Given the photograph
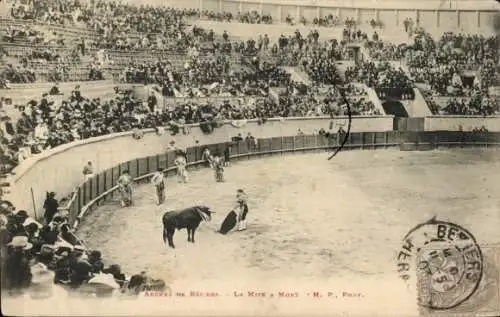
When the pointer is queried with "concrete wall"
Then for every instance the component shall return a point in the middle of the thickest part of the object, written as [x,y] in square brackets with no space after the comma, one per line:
[464,123]
[60,169]
[447,15]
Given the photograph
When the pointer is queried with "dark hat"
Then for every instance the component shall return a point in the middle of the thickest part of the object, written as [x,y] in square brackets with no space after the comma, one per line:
[58,219]
[95,254]
[22,213]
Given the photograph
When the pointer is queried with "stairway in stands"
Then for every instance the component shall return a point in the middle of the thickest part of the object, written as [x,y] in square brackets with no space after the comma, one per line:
[417,107]
[298,75]
[342,66]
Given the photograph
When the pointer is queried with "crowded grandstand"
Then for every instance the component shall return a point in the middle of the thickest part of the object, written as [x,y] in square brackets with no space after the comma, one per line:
[193,75]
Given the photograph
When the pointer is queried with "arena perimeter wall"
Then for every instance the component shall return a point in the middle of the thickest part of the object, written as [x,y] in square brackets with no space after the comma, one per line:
[60,169]
[447,15]
[461,123]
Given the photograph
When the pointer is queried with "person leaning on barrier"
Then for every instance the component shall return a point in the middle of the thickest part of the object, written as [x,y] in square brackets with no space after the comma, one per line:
[137,133]
[88,171]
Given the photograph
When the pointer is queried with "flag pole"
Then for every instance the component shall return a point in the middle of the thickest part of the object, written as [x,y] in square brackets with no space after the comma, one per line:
[33,201]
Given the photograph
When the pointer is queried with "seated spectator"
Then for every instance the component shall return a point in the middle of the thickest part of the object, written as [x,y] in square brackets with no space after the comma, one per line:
[115,270]
[80,268]
[95,261]
[68,235]
[62,268]
[49,234]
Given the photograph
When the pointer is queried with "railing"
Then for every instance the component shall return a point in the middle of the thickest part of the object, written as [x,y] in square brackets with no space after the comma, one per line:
[103,185]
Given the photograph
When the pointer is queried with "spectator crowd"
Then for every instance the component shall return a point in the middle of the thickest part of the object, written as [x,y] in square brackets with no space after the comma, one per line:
[39,260]
[456,65]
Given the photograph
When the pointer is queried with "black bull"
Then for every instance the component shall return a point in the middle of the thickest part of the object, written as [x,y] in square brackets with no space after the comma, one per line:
[188,218]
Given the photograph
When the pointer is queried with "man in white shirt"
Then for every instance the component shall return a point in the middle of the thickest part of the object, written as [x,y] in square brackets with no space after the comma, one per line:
[182,174]
[125,182]
[158,181]
[41,132]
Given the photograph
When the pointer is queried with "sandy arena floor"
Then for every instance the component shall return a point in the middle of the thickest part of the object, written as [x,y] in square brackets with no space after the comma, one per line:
[309,217]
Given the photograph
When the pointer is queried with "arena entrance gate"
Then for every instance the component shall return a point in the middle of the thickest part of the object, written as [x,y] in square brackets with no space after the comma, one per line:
[409,124]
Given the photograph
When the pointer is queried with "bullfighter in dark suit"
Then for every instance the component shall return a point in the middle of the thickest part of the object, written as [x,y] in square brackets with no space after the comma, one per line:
[242,207]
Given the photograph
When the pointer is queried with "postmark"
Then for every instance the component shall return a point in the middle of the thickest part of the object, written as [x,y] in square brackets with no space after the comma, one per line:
[447,261]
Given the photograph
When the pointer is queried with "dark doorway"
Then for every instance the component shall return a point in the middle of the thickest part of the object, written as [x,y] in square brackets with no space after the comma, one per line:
[395,108]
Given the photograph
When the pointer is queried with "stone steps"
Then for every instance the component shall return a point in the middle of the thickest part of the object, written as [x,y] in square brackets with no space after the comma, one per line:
[298,75]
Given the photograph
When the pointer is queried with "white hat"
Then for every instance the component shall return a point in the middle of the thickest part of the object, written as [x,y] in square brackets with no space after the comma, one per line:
[20,242]
[106,280]
[41,275]
[30,220]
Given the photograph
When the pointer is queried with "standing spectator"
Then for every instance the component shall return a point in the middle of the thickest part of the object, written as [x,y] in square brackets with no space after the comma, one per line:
[227,156]
[81,46]
[50,205]
[5,237]
[18,274]
[266,42]
[9,127]
[88,171]
[152,102]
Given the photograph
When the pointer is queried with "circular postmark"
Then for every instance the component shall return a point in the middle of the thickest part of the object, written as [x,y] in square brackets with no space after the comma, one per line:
[343,135]
[447,261]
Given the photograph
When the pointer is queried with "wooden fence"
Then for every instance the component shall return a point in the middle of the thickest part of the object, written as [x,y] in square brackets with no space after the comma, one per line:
[103,185]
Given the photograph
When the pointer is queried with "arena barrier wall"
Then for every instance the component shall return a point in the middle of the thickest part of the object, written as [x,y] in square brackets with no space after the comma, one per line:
[60,169]
[103,185]
[462,123]
[448,15]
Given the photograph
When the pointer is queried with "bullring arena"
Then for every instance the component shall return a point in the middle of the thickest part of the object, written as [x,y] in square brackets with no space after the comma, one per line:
[310,217]
[364,135]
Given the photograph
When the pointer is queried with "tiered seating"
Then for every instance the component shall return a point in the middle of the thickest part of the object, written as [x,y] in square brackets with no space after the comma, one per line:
[35,90]
[22,50]
[20,94]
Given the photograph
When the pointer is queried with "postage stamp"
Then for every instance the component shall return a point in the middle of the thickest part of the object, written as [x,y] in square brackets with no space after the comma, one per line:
[453,282]
[455,276]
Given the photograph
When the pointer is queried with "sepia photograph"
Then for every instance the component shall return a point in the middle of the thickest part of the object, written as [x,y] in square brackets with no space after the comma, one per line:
[250,158]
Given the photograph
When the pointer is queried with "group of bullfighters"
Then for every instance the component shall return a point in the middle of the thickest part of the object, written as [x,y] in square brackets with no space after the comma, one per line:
[158,180]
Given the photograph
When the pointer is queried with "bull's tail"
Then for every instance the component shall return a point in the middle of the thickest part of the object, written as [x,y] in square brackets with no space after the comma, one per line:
[164,235]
